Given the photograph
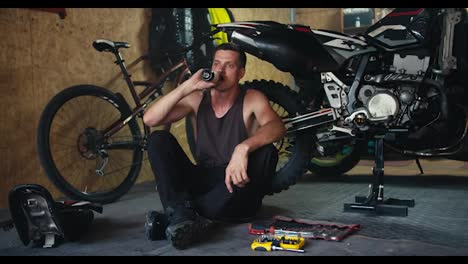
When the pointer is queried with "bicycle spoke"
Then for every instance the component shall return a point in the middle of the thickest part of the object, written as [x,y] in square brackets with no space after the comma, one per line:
[64,155]
[80,179]
[120,168]
[64,127]
[109,117]
[106,180]
[68,145]
[70,113]
[89,108]
[65,150]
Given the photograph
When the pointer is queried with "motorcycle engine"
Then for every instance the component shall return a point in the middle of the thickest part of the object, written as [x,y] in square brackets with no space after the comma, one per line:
[379,102]
[390,93]
[397,104]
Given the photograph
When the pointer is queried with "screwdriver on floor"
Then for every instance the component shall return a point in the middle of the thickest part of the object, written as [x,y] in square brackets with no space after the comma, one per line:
[286,249]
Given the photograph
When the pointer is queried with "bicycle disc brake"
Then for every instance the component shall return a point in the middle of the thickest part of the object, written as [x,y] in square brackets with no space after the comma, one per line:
[89,143]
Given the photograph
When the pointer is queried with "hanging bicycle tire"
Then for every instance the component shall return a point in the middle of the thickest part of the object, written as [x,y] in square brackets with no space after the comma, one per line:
[73,153]
[294,149]
[175,28]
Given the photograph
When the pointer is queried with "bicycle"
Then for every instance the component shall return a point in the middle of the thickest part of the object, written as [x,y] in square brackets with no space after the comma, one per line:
[98,157]
[107,133]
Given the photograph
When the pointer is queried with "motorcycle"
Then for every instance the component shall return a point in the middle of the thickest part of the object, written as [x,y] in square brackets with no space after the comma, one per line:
[401,83]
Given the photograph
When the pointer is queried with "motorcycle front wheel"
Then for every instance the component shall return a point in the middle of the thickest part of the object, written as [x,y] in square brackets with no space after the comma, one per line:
[294,149]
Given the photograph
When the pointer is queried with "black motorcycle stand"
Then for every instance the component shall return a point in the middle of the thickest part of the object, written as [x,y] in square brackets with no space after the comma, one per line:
[374,202]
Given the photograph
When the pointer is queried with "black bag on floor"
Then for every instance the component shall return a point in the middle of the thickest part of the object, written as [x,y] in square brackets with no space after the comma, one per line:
[45,222]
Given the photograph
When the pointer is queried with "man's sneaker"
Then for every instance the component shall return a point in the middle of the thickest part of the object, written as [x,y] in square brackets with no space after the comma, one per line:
[155,225]
[185,226]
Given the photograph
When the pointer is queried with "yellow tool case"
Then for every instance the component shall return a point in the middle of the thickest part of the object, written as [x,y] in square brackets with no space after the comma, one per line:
[272,243]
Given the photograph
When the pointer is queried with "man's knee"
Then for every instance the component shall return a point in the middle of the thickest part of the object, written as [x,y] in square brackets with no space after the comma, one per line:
[267,155]
[262,168]
[266,151]
[159,139]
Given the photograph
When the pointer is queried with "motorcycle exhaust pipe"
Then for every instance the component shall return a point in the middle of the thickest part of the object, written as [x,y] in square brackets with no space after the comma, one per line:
[443,98]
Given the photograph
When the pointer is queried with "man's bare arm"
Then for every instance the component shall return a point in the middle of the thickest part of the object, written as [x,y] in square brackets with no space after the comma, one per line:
[271,126]
[177,104]
[271,129]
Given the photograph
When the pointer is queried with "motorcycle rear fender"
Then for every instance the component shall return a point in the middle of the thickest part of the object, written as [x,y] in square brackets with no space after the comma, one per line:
[291,51]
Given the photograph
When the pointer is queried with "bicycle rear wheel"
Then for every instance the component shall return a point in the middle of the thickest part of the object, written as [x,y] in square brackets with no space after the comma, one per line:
[75,156]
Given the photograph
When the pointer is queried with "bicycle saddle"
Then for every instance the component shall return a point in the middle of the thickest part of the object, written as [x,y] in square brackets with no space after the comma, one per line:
[108,45]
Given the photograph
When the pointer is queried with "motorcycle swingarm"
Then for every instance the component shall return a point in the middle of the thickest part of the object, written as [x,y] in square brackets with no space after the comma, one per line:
[309,120]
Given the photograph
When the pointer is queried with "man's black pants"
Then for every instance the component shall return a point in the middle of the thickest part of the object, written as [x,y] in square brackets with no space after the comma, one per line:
[179,180]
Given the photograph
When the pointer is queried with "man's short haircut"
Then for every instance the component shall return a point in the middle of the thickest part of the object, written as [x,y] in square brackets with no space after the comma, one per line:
[234,47]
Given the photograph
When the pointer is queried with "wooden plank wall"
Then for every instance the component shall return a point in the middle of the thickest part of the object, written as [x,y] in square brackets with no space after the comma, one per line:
[321,18]
[41,55]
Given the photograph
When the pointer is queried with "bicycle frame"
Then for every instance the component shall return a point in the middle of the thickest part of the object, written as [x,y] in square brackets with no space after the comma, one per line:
[152,90]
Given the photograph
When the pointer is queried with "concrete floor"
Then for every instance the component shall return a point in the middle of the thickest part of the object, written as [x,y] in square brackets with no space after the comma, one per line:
[436,226]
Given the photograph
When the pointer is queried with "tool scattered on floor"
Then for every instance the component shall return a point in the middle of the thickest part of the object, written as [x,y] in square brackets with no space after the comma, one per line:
[287,226]
[270,242]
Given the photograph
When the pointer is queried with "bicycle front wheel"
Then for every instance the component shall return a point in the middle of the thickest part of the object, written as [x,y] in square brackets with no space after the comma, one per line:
[73,152]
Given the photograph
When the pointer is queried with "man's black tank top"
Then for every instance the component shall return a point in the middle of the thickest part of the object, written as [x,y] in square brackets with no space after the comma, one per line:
[217,137]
